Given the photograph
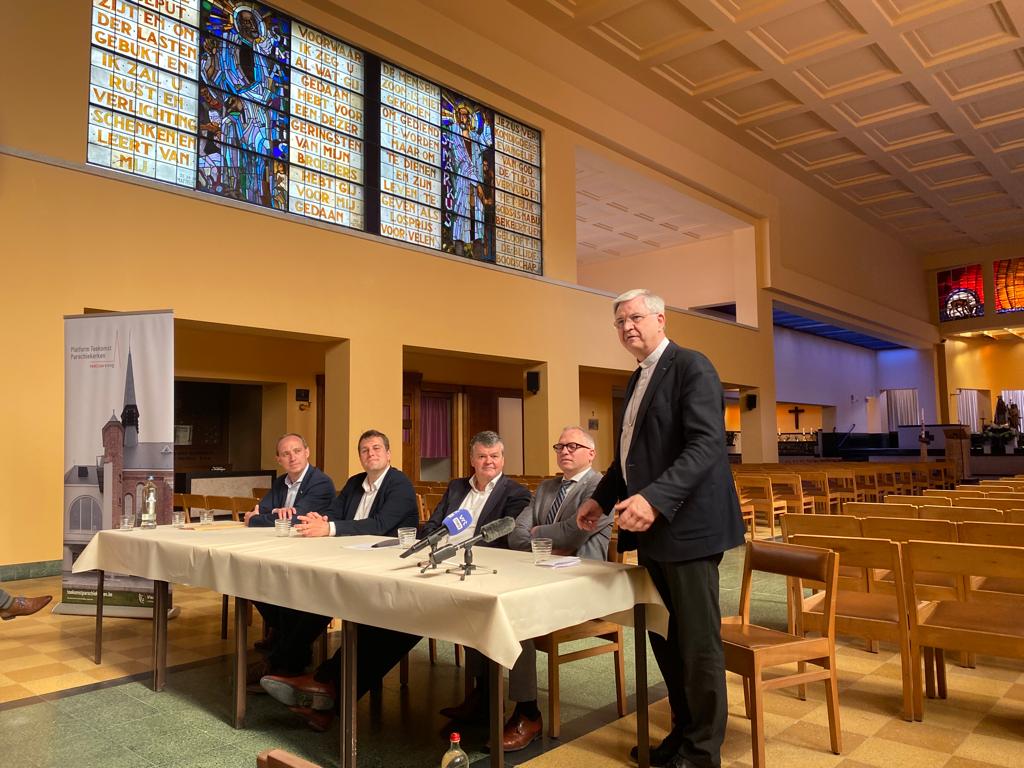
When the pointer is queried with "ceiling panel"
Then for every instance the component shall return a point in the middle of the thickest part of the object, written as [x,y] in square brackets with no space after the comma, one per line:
[908,112]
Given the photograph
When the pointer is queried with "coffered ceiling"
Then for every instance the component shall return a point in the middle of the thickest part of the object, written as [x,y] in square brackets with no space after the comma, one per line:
[908,112]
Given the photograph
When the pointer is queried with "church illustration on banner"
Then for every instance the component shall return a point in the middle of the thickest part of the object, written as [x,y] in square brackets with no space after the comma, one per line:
[97,496]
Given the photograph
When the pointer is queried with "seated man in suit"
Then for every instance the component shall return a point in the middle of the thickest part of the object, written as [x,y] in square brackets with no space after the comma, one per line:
[376,502]
[552,515]
[487,495]
[302,488]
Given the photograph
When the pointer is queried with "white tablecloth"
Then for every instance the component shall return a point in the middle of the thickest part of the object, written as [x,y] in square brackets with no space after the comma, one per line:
[490,612]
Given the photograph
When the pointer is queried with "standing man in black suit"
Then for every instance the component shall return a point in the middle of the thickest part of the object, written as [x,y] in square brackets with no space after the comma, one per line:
[302,488]
[487,495]
[672,488]
[378,502]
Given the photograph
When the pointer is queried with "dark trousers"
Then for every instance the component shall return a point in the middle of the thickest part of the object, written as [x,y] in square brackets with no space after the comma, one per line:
[691,657]
[294,633]
[377,652]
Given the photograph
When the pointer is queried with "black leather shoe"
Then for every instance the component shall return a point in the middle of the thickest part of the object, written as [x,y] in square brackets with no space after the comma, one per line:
[661,755]
[473,709]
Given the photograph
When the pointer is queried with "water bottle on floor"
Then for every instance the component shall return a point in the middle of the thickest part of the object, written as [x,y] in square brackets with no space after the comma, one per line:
[455,757]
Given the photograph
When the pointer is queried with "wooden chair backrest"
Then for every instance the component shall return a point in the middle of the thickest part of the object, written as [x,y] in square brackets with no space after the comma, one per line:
[961,514]
[243,504]
[1014,516]
[819,525]
[1005,495]
[998,534]
[259,493]
[895,498]
[878,509]
[902,529]
[194,501]
[963,559]
[791,560]
[221,503]
[755,487]
[989,503]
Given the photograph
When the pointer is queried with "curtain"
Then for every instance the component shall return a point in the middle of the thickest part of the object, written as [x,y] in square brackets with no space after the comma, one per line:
[967,409]
[902,408]
[1014,396]
[435,427]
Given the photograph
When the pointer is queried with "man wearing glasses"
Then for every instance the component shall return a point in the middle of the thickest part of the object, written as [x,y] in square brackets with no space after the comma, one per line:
[672,489]
[552,515]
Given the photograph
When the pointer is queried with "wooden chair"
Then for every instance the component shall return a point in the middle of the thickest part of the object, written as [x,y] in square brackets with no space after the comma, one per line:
[842,484]
[937,585]
[178,503]
[424,510]
[919,478]
[259,493]
[600,629]
[961,514]
[193,503]
[998,535]
[750,649]
[746,509]
[222,504]
[953,494]
[1014,516]
[819,525]
[241,505]
[816,487]
[758,490]
[873,616]
[867,483]
[789,488]
[988,502]
[940,474]
[974,621]
[865,509]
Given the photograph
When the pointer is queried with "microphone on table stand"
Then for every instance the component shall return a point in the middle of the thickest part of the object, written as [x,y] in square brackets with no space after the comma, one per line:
[493,531]
[452,525]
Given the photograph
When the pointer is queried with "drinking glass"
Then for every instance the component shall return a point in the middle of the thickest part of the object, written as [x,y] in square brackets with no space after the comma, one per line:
[541,550]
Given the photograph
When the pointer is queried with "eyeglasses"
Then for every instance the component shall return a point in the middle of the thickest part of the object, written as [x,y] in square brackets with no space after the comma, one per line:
[620,322]
[570,447]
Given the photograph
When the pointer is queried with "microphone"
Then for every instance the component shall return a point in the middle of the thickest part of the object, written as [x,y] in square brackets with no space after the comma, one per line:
[452,525]
[494,530]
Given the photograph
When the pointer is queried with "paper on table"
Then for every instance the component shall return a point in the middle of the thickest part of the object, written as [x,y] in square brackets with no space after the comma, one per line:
[361,545]
[560,562]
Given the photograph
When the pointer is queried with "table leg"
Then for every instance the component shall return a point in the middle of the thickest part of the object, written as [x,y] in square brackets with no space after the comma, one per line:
[640,656]
[497,713]
[241,659]
[159,635]
[347,690]
[98,646]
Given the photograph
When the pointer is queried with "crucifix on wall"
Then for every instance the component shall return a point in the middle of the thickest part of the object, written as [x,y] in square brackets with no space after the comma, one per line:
[796,410]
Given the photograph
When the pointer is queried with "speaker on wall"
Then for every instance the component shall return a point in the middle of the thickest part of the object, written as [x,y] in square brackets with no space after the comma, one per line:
[533,382]
[751,401]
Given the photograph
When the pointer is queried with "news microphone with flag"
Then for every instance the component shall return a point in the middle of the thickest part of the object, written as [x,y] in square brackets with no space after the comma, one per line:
[493,531]
[452,525]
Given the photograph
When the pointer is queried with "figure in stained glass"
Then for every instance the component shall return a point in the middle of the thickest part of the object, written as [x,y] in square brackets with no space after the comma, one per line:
[248,25]
[961,292]
[467,158]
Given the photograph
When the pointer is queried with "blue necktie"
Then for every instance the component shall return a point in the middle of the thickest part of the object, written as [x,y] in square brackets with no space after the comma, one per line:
[559,498]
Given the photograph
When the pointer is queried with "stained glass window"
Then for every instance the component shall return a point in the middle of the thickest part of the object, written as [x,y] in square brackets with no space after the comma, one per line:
[1009,274]
[236,99]
[961,293]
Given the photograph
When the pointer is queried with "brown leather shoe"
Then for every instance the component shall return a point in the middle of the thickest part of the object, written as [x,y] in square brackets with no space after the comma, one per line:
[474,708]
[520,731]
[304,692]
[25,606]
[315,719]
[256,671]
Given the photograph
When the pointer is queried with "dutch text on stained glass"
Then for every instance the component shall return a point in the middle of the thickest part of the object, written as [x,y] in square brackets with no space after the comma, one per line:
[182,10]
[125,143]
[407,177]
[325,198]
[517,251]
[125,85]
[511,212]
[517,177]
[410,135]
[145,35]
[327,151]
[410,221]
[407,92]
[516,139]
[325,103]
[327,58]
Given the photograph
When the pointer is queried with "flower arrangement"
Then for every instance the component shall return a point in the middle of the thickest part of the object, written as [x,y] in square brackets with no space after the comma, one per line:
[999,432]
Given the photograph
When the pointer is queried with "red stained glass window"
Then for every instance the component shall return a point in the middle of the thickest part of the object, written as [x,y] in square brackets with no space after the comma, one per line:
[1009,275]
[961,292]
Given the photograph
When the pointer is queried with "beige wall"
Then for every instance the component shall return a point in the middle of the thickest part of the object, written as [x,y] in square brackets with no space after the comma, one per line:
[75,237]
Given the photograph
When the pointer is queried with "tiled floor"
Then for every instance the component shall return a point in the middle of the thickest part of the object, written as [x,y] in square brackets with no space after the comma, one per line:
[56,703]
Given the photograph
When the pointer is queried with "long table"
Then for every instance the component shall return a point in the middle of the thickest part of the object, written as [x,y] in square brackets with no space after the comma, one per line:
[343,577]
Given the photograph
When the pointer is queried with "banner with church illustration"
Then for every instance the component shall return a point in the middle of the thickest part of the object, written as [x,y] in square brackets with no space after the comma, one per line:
[118,431]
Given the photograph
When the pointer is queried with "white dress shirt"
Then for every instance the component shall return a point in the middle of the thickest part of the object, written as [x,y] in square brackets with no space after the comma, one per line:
[366,502]
[293,488]
[473,502]
[647,366]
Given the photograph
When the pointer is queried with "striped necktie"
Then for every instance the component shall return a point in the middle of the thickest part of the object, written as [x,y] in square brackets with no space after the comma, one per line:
[559,498]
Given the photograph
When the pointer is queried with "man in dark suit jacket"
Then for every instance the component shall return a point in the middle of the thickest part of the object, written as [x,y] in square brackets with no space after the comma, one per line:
[315,489]
[672,488]
[488,495]
[377,501]
[302,488]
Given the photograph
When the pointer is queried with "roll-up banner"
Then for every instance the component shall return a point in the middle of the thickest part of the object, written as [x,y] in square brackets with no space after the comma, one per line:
[118,431]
